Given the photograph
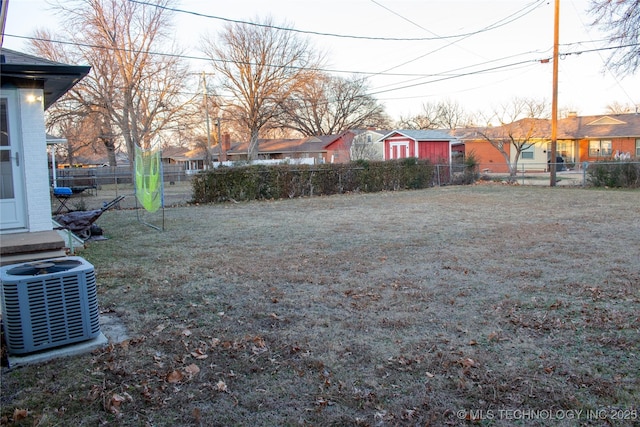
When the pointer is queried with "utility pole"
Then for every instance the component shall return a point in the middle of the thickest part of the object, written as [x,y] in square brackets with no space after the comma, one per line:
[221,154]
[206,115]
[554,98]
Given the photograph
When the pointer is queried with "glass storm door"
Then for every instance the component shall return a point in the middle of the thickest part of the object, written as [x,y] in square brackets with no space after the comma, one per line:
[12,205]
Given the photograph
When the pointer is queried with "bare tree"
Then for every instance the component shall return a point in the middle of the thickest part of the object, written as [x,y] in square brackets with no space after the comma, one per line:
[521,124]
[327,105]
[618,108]
[260,66]
[134,93]
[621,20]
[420,121]
[445,114]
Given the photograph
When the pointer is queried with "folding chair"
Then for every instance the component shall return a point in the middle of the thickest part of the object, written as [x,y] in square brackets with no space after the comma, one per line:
[62,194]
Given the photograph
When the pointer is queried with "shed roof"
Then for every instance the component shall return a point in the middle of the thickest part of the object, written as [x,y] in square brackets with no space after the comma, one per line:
[423,134]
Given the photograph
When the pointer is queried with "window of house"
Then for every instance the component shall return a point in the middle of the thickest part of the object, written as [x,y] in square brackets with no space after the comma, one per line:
[527,153]
[638,147]
[600,148]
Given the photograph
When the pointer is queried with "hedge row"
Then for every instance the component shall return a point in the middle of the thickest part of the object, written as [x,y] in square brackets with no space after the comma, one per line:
[288,181]
[621,174]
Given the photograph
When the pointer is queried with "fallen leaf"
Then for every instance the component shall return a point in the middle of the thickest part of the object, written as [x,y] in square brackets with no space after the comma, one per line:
[199,354]
[197,414]
[429,375]
[468,362]
[114,403]
[175,377]
[116,399]
[221,386]
[192,369]
[19,414]
[186,333]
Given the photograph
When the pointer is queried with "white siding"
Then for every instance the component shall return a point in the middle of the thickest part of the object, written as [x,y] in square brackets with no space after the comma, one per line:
[34,155]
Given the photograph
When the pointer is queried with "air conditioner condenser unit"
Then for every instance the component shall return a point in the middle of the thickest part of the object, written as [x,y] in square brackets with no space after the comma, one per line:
[48,303]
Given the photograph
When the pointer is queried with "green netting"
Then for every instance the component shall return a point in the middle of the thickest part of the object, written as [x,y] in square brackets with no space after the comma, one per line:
[148,169]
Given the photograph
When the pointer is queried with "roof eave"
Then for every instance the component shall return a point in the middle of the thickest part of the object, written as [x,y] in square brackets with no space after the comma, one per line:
[56,80]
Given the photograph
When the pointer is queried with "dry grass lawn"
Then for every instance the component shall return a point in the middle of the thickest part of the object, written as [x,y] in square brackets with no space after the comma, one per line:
[480,305]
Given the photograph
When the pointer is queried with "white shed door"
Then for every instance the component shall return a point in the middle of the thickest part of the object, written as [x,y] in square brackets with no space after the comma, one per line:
[12,200]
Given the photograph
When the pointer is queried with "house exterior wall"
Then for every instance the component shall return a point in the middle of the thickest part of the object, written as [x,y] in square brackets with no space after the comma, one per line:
[368,146]
[488,156]
[399,147]
[339,151]
[437,152]
[37,191]
[621,145]
[535,158]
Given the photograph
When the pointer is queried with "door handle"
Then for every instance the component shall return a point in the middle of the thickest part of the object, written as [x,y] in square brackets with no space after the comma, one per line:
[17,159]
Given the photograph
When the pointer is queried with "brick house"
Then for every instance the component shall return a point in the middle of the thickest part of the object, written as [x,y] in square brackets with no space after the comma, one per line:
[579,139]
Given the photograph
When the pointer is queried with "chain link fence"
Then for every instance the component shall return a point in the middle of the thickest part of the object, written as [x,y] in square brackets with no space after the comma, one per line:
[104,183]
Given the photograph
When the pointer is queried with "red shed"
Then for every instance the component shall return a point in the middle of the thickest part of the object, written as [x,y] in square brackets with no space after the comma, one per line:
[434,145]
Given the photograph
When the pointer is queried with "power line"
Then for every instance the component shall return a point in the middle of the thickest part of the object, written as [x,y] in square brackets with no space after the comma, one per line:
[445,73]
[201,58]
[458,76]
[497,24]
[443,78]
[504,21]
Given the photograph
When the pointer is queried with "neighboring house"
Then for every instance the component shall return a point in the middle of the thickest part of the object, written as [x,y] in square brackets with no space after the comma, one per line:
[434,145]
[367,144]
[30,85]
[323,149]
[191,161]
[579,139]
[593,138]
[488,157]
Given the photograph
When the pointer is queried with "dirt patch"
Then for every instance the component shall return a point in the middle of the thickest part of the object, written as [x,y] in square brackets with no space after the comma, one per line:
[487,304]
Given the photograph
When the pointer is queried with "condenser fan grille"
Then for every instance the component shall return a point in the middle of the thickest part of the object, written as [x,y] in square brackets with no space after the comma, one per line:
[49,310]
[43,267]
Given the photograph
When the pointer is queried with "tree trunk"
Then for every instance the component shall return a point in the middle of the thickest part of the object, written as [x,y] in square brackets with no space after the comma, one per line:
[252,150]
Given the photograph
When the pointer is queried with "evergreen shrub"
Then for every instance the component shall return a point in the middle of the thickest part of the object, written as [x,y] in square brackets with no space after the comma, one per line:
[255,182]
[620,174]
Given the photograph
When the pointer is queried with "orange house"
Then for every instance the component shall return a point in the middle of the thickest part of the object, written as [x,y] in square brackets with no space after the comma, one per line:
[605,137]
[580,139]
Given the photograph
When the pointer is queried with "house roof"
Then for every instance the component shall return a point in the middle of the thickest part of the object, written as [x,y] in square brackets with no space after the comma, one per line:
[183,154]
[601,126]
[310,144]
[579,127]
[23,70]
[423,134]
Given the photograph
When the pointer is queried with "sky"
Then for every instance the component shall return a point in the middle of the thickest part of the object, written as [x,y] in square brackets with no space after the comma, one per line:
[479,54]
